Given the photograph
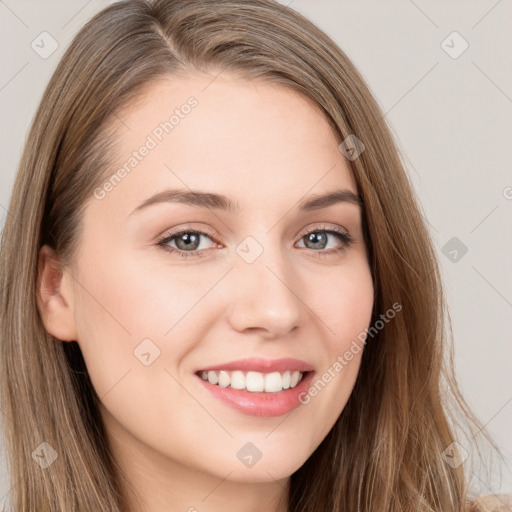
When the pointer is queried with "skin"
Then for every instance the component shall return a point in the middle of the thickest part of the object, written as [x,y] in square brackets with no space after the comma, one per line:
[266,147]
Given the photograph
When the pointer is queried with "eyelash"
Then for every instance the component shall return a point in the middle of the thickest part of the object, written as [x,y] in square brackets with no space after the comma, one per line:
[343,236]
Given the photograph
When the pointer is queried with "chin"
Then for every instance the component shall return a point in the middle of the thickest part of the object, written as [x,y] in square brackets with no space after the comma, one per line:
[273,467]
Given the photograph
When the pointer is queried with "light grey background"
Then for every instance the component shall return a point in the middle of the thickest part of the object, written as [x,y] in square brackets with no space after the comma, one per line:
[451,118]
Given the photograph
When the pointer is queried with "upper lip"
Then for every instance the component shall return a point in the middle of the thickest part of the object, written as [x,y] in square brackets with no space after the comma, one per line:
[263,365]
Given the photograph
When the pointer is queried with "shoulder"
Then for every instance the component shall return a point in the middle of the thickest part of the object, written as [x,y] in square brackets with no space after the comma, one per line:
[491,503]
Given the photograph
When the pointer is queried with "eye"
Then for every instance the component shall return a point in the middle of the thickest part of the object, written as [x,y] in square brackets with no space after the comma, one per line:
[187,242]
[318,239]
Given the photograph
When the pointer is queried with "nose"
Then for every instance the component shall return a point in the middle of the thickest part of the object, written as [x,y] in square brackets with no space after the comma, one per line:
[265,297]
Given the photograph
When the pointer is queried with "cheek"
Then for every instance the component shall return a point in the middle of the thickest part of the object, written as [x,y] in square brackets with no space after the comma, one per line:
[122,316]
[139,299]
[346,314]
[126,310]
[346,306]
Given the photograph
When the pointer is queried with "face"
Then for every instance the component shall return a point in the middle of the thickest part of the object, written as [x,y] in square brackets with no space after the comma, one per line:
[184,288]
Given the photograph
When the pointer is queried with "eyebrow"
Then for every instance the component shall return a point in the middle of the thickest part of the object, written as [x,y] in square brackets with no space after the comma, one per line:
[221,202]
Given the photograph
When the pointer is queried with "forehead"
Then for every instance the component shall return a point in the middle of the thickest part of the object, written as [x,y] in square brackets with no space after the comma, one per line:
[251,140]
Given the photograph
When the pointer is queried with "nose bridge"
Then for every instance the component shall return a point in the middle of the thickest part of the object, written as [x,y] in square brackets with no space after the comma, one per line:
[265,295]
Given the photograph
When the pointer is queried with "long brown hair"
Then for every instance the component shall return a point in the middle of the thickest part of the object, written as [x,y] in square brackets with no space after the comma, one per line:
[385,452]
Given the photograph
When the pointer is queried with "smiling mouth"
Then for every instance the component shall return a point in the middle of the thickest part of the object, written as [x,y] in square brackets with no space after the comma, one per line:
[255,382]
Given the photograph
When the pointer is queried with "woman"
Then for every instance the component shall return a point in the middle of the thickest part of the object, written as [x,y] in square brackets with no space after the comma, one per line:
[293,359]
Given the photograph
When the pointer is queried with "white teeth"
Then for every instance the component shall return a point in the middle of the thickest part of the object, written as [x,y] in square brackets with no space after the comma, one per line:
[274,382]
[253,381]
[286,380]
[237,380]
[213,378]
[224,379]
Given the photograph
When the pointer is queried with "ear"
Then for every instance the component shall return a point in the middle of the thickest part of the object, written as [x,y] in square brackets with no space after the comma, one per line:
[54,295]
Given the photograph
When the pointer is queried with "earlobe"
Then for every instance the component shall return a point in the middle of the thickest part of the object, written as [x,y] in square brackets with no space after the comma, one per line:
[54,296]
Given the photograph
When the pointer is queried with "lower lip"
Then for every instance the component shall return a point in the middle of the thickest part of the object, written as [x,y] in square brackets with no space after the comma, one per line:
[260,403]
